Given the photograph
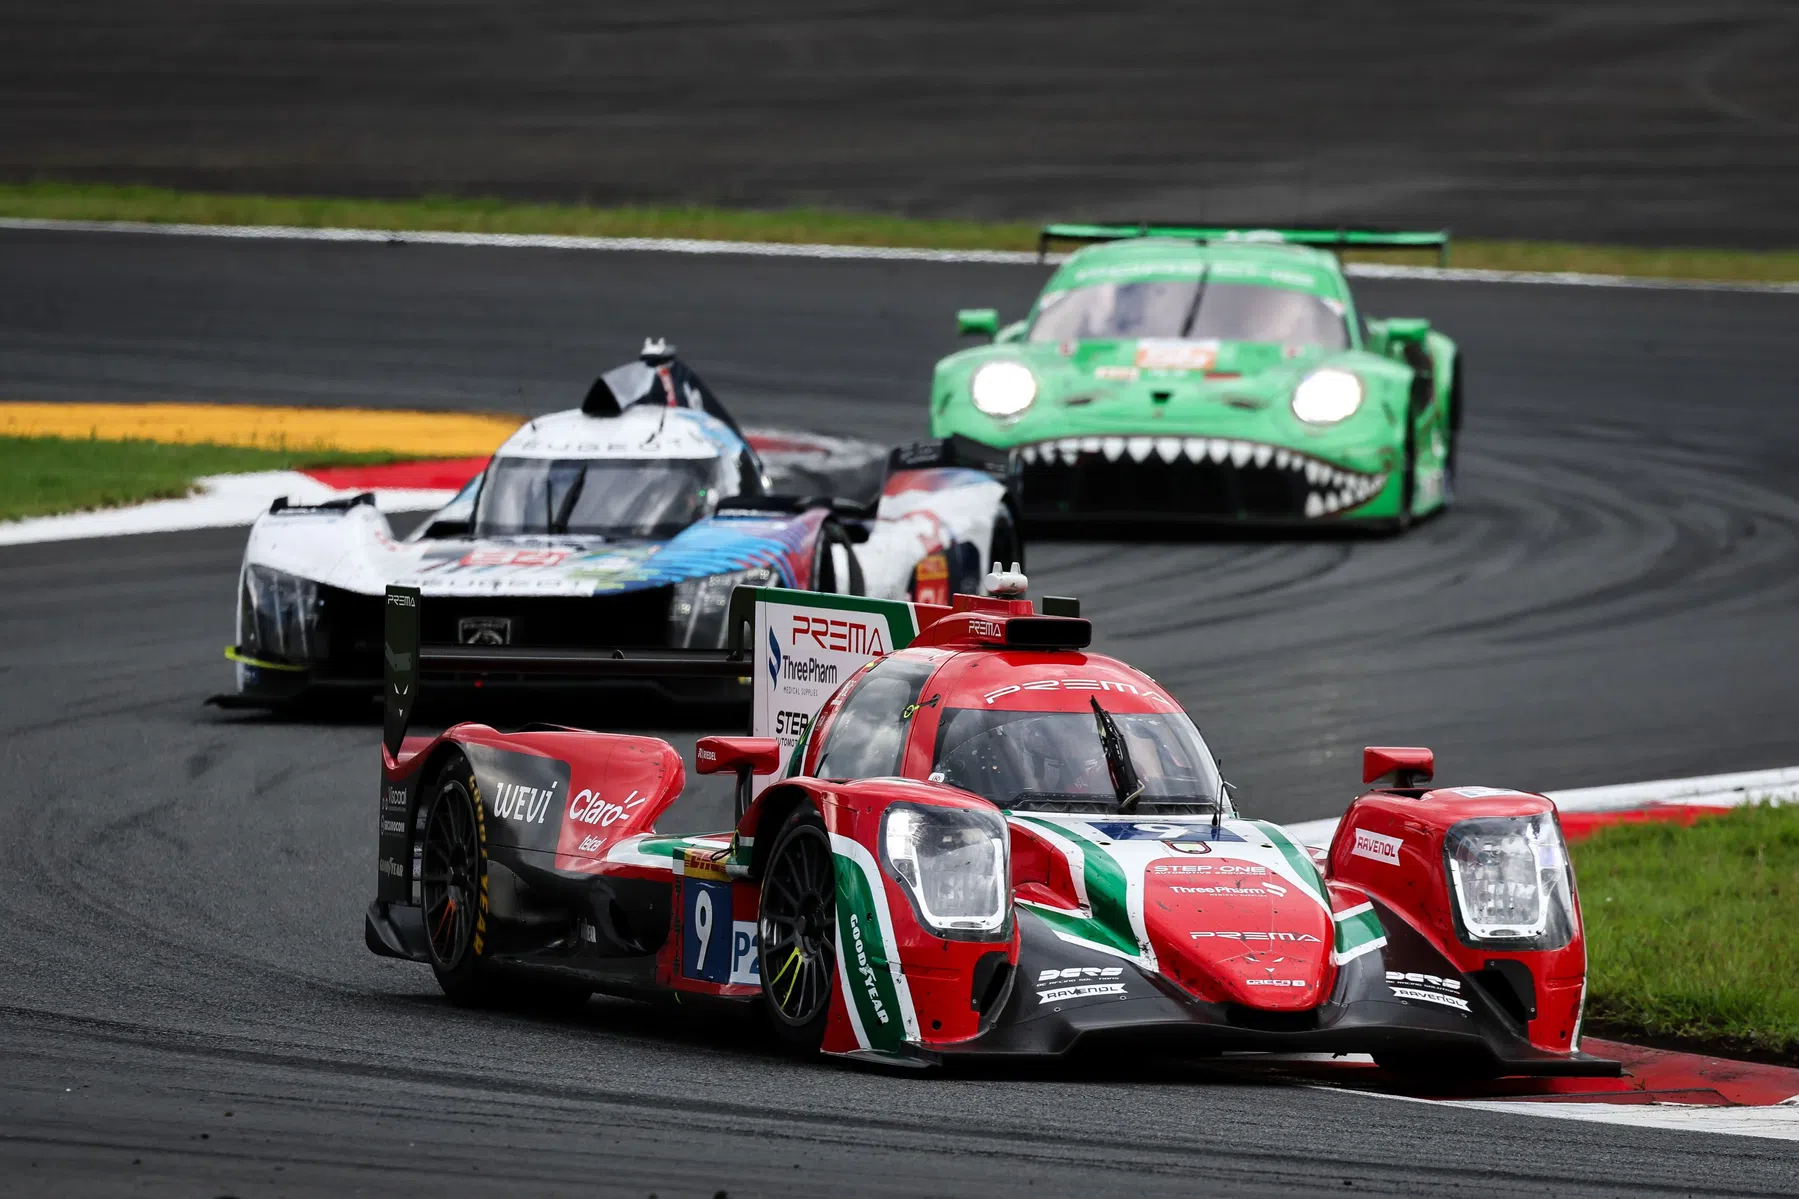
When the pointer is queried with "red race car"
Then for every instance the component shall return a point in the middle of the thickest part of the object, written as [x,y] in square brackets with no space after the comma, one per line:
[982,839]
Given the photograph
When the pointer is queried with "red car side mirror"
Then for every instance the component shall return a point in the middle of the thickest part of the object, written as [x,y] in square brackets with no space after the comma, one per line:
[1396,765]
[747,756]
[722,755]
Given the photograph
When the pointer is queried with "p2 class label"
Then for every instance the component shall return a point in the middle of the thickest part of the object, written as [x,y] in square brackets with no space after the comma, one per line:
[708,934]
[746,954]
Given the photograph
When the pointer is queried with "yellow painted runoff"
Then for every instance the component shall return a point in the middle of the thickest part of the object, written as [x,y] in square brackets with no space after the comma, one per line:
[351,430]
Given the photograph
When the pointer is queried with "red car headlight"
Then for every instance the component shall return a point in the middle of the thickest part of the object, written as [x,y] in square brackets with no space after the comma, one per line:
[954,865]
[1511,882]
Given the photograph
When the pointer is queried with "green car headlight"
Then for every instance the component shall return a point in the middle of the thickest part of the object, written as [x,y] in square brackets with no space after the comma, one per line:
[1003,388]
[1327,396]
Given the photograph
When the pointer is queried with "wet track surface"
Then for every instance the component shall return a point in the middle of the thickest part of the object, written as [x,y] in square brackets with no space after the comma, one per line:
[188,999]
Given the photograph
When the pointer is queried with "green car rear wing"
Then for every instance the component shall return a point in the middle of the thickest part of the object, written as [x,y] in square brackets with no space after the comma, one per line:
[1336,239]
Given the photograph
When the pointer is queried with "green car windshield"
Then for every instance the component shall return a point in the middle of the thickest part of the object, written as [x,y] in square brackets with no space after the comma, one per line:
[1191,309]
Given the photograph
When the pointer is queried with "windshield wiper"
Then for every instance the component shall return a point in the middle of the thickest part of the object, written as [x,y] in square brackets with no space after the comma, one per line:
[559,522]
[1199,293]
[1125,783]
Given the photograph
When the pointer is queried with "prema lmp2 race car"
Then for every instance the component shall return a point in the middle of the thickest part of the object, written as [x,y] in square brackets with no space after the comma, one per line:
[980,840]
[617,530]
[1188,375]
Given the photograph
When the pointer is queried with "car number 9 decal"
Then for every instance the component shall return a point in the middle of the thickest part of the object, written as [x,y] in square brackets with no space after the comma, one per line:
[714,947]
[702,927]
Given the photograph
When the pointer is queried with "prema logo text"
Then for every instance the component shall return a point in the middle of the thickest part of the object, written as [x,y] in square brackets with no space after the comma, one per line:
[1076,685]
[844,636]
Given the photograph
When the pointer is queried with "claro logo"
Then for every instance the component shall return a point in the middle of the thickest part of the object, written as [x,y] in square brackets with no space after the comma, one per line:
[844,636]
[866,971]
[588,808]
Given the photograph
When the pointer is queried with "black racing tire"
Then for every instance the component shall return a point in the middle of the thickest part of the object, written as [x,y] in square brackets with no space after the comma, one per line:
[797,926]
[1449,471]
[1408,482]
[453,891]
[1006,546]
[453,886]
[1408,487]
[831,537]
[1455,433]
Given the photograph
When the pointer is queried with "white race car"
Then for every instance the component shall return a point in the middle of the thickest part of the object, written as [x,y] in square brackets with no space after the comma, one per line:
[614,531]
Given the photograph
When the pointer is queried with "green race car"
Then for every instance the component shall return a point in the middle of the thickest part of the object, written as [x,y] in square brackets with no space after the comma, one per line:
[1211,375]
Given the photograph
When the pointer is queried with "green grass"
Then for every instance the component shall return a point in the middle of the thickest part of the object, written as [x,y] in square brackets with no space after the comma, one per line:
[99,202]
[40,476]
[1691,933]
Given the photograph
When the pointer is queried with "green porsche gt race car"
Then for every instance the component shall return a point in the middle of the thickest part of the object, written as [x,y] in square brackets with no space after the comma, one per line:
[1211,375]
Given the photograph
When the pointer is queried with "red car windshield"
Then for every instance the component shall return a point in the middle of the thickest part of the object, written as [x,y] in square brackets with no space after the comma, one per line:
[1054,761]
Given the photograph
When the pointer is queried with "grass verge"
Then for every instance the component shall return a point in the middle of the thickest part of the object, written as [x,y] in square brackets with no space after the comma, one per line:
[41,476]
[1690,932]
[47,200]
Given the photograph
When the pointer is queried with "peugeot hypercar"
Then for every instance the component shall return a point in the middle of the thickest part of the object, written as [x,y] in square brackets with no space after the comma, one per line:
[616,530]
[985,840]
[1172,375]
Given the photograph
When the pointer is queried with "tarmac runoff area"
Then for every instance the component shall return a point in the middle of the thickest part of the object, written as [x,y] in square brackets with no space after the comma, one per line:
[182,904]
[1660,1089]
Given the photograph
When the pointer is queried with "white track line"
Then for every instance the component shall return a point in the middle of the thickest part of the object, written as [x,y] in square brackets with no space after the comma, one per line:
[223,501]
[686,245]
[1779,1122]
[1710,790]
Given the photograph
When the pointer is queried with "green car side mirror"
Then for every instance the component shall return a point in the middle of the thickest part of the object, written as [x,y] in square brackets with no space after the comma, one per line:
[977,322]
[1406,330]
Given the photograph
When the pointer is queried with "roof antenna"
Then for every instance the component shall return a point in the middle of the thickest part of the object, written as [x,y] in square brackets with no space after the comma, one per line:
[657,353]
[1006,584]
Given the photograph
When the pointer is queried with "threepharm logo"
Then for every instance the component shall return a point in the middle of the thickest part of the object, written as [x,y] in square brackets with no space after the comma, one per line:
[774,657]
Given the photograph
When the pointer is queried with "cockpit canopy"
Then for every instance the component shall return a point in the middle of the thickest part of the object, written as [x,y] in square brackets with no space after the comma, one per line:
[1191,310]
[1019,730]
[615,498]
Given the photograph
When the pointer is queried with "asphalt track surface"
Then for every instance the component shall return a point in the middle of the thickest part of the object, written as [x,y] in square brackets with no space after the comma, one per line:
[1662,121]
[188,1004]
